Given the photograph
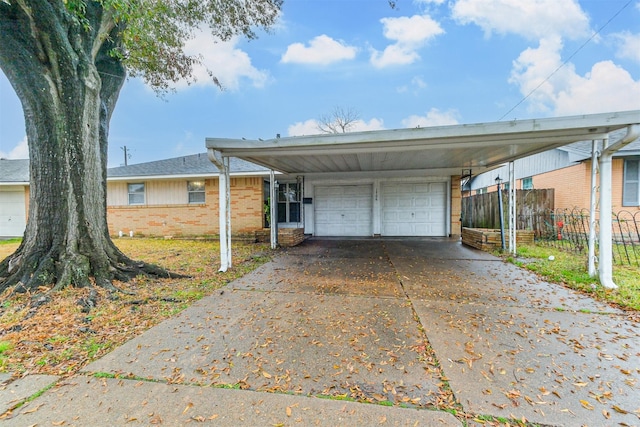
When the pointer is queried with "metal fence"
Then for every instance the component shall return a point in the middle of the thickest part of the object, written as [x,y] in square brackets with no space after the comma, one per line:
[568,229]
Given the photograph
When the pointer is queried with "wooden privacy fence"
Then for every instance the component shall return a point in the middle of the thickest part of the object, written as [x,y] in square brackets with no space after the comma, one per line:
[481,210]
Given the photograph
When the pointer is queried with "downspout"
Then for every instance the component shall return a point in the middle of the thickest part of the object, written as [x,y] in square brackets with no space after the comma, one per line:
[501,212]
[512,208]
[222,163]
[595,153]
[273,205]
[605,265]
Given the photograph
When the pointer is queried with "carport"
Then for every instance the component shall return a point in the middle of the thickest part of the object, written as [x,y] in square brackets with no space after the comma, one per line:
[406,181]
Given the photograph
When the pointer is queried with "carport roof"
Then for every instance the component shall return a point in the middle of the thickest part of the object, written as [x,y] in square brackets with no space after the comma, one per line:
[441,150]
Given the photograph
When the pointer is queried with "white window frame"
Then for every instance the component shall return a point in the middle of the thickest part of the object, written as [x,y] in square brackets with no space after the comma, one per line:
[286,199]
[631,184]
[133,194]
[527,183]
[200,193]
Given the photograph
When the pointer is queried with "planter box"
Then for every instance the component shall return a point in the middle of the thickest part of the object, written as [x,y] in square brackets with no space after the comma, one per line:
[286,236]
[488,239]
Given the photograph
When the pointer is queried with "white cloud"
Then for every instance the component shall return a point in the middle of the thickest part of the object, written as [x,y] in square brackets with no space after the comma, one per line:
[629,47]
[322,50]
[373,124]
[416,85]
[408,34]
[434,117]
[607,87]
[310,127]
[227,63]
[20,151]
[532,19]
[394,55]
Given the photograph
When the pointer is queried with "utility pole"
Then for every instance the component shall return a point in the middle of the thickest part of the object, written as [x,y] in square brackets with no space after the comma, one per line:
[127,154]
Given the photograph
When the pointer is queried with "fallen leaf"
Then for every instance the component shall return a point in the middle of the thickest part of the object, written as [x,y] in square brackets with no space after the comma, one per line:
[619,409]
[586,404]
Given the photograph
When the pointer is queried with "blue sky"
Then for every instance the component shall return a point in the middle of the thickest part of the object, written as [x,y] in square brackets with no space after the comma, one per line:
[425,63]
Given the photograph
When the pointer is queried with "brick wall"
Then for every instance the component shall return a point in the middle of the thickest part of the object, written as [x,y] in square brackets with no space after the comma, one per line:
[456,207]
[193,219]
[573,185]
[288,237]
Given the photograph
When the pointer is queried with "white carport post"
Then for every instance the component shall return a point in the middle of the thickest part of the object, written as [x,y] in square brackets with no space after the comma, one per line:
[605,265]
[273,213]
[595,153]
[512,208]
[222,163]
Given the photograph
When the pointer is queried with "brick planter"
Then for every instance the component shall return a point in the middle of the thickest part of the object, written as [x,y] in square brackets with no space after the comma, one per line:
[487,239]
[286,236]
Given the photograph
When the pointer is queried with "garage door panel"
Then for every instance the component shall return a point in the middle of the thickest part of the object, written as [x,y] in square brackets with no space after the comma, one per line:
[12,213]
[343,210]
[414,209]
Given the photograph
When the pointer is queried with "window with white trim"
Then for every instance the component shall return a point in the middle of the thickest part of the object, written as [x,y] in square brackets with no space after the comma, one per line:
[195,190]
[136,193]
[289,202]
[527,183]
[631,183]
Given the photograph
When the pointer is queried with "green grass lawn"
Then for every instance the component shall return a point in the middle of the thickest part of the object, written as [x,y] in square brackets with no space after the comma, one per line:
[571,270]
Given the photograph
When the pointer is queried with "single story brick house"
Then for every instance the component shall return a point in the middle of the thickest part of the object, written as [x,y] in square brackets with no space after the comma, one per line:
[172,197]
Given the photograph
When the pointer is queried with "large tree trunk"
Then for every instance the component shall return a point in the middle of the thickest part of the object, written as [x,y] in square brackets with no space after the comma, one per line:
[68,84]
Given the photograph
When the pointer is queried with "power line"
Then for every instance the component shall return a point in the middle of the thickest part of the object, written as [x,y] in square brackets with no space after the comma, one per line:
[567,60]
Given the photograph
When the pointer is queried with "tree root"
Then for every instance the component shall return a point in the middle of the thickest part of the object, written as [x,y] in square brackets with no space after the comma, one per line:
[38,270]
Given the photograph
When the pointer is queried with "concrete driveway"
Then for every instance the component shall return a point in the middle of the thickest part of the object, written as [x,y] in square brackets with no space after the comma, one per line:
[418,327]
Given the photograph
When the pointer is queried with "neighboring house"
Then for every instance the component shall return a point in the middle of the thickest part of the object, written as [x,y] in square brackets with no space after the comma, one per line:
[568,171]
[172,197]
[14,197]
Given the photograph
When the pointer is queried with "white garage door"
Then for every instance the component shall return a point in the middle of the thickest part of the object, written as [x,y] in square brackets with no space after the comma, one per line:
[343,210]
[414,209]
[12,213]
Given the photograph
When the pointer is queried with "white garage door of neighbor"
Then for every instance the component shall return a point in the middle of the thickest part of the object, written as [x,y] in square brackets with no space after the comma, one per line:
[12,213]
[343,210]
[414,209]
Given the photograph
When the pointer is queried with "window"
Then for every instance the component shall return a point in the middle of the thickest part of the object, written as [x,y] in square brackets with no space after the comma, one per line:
[288,203]
[631,184]
[136,193]
[527,183]
[196,191]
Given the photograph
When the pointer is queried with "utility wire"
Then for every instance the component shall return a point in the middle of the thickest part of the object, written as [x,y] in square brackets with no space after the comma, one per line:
[567,60]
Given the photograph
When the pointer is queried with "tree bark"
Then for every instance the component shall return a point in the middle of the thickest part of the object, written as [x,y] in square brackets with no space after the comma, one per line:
[68,84]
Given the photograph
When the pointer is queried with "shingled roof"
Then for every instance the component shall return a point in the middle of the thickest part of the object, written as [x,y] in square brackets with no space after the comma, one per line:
[195,164]
[14,171]
[17,170]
